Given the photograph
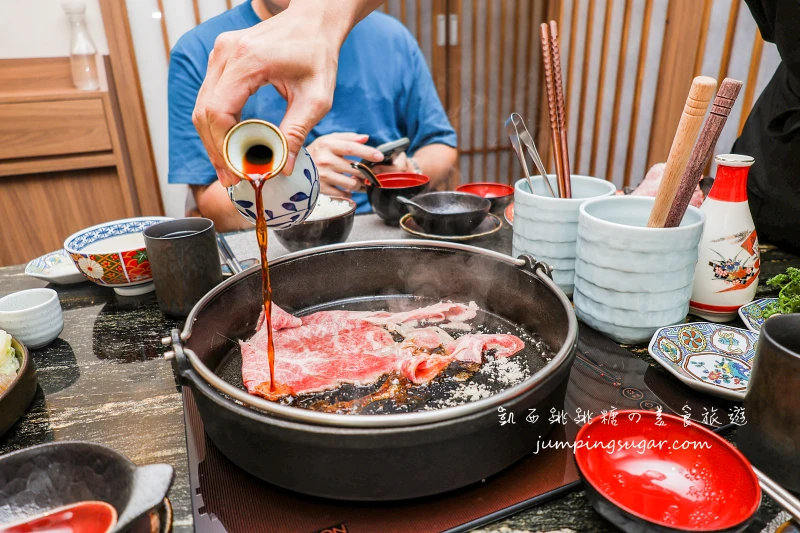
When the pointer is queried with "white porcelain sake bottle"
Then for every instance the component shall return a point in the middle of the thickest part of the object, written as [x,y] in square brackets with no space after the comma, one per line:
[728,264]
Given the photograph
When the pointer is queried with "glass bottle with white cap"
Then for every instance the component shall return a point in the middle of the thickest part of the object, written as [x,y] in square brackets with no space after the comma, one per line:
[83,54]
[729,262]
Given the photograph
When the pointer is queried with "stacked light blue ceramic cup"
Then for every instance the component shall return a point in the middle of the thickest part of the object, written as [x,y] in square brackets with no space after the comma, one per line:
[547,227]
[631,280]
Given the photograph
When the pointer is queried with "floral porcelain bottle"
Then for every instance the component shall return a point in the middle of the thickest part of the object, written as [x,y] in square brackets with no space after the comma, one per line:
[728,264]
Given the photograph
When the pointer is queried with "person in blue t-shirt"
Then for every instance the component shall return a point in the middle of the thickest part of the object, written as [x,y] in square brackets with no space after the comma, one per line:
[383,92]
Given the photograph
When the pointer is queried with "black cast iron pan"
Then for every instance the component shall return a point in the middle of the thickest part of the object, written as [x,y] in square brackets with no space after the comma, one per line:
[377,457]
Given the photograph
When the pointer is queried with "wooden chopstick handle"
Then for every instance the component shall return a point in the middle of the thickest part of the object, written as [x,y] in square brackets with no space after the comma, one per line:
[709,135]
[551,105]
[700,95]
[555,50]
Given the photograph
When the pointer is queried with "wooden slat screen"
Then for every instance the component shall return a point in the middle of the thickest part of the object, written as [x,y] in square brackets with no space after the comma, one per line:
[612,54]
[498,66]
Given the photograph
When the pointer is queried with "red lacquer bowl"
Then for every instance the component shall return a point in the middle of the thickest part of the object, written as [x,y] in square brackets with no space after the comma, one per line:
[688,479]
[498,194]
[81,517]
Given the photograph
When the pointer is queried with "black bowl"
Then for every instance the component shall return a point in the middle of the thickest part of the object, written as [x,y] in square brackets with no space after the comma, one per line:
[449,213]
[17,397]
[38,479]
[312,233]
[384,199]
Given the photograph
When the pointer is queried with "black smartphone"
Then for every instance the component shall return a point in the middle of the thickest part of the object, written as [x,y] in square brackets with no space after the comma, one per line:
[389,151]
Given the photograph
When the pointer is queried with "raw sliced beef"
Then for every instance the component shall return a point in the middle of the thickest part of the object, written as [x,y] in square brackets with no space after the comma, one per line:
[652,180]
[470,347]
[323,350]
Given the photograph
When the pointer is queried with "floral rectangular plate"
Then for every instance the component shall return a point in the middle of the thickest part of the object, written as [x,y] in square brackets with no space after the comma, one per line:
[55,267]
[711,358]
[752,314]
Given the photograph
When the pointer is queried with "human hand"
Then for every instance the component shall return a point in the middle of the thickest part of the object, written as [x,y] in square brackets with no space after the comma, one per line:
[296,51]
[328,153]
[400,163]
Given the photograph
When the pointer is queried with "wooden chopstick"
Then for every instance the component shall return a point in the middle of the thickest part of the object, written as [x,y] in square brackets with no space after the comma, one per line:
[709,135]
[551,105]
[694,110]
[555,51]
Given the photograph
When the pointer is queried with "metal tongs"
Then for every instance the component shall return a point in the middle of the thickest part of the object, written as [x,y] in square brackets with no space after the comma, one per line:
[519,135]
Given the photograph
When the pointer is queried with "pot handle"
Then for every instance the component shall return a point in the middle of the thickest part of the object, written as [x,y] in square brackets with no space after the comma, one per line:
[532,265]
[176,354]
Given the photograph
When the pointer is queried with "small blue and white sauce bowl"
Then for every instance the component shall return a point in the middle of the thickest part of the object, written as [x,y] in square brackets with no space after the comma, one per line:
[288,200]
[631,280]
[547,227]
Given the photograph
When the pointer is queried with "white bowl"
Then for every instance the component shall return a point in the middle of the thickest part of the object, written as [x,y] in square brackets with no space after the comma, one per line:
[547,227]
[631,280]
[113,254]
[32,316]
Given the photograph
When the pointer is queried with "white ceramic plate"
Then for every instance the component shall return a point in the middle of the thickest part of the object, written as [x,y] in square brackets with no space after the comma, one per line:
[55,267]
[752,314]
[712,358]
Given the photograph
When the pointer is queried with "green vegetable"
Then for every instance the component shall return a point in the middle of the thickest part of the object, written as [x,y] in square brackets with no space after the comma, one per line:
[789,295]
[9,364]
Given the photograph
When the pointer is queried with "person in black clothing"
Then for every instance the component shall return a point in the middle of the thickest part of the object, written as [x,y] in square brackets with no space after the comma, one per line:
[771,133]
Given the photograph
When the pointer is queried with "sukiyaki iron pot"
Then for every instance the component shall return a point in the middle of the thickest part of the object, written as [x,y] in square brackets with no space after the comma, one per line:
[368,456]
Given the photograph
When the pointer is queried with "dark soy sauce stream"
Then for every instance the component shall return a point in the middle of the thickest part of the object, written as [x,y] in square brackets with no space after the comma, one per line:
[258,161]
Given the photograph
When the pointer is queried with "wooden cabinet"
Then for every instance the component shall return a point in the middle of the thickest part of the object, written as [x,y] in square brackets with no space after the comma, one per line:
[64,163]
[55,127]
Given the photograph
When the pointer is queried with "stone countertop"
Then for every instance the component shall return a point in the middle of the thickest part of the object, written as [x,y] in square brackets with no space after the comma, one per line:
[104,381]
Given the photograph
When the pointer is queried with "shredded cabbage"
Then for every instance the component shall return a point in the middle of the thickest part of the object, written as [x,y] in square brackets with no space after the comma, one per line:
[9,364]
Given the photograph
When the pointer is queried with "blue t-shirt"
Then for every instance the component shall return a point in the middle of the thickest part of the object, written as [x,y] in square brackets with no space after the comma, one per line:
[383,89]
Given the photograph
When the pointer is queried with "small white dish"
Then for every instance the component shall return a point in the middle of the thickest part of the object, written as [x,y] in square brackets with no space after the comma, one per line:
[712,358]
[752,314]
[56,267]
[32,316]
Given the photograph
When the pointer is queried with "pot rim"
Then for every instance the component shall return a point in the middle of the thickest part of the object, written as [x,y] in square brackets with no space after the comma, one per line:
[395,420]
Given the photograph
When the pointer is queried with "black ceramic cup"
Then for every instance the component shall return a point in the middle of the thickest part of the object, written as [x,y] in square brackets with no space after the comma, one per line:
[185,263]
[771,437]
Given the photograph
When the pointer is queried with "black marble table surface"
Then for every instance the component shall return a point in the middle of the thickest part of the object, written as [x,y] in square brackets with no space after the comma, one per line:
[103,380]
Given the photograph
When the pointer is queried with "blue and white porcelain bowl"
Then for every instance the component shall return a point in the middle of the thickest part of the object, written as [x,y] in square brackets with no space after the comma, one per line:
[631,280]
[288,200]
[547,227]
[113,254]
[711,358]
